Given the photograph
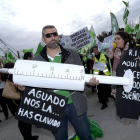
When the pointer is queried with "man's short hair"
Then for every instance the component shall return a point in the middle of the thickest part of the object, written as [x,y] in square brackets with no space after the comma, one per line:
[26,55]
[47,27]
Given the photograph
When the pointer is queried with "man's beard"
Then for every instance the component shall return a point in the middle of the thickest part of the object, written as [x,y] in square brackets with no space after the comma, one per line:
[53,45]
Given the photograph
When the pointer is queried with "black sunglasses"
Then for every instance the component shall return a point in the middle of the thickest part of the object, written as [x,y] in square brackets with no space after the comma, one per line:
[50,34]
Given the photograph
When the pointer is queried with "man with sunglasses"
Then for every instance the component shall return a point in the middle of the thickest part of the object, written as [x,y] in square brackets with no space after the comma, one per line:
[76,108]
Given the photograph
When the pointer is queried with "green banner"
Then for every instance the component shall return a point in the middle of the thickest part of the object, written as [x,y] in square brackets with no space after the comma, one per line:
[9,58]
[114,24]
[29,50]
[126,3]
[128,29]
[39,49]
[126,12]
[138,35]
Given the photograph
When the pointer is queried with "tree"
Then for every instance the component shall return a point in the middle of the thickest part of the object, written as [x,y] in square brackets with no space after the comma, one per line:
[103,35]
[106,34]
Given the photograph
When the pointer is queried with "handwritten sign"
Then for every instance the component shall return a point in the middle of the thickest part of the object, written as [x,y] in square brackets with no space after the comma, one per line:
[76,40]
[80,38]
[42,108]
[128,104]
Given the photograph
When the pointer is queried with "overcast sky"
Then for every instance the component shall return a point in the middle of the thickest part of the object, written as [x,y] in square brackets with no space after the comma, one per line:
[21,21]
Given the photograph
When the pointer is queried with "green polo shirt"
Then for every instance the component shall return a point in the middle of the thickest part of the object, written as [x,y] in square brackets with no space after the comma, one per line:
[65,93]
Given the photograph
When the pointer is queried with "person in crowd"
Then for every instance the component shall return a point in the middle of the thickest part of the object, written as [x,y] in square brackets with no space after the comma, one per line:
[26,128]
[138,43]
[133,42]
[5,102]
[76,110]
[89,62]
[0,112]
[123,41]
[100,68]
[0,109]
[28,56]
[2,99]
[1,62]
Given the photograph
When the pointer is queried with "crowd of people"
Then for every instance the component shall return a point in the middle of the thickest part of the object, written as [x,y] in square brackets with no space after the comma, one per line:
[94,62]
[111,60]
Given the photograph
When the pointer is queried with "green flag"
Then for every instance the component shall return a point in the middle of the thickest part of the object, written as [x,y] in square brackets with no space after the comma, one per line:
[92,33]
[126,12]
[126,3]
[114,24]
[30,50]
[39,49]
[127,29]
[138,35]
[79,51]
[5,58]
[94,37]
[136,28]
[133,31]
[9,57]
[83,51]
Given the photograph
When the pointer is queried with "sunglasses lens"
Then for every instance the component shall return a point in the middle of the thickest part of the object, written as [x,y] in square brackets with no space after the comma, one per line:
[50,34]
[55,34]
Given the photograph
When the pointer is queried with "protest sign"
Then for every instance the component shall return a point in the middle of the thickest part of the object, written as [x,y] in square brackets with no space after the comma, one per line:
[80,39]
[128,104]
[76,40]
[42,108]
[62,40]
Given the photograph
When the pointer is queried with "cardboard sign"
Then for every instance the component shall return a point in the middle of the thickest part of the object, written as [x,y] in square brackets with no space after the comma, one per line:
[76,40]
[128,104]
[62,40]
[42,108]
[99,66]
[80,39]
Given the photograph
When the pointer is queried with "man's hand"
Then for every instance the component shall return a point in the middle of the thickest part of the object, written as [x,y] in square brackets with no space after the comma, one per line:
[20,87]
[93,82]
